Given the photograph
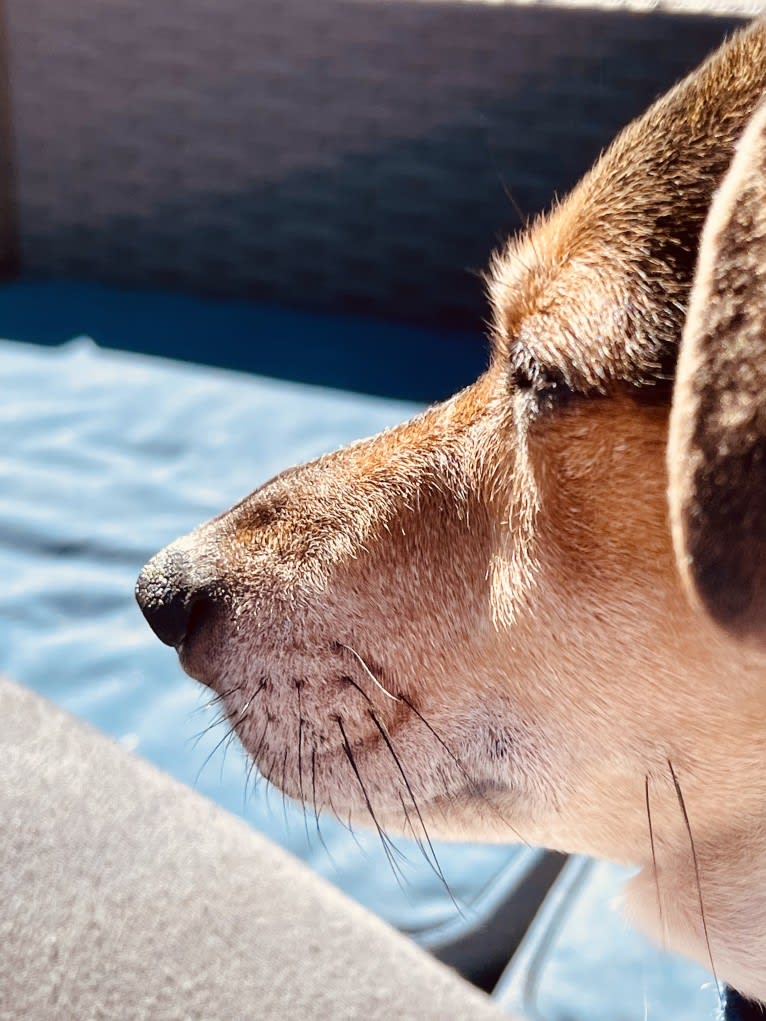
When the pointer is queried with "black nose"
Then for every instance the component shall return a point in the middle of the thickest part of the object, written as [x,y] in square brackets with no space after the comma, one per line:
[167,591]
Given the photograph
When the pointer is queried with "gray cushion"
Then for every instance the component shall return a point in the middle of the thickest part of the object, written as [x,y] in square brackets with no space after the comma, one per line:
[124,894]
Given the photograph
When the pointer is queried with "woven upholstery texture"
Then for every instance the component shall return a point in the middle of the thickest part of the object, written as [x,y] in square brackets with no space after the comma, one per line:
[356,154]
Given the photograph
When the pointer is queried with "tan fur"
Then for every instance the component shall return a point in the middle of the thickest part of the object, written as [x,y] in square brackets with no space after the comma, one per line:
[495,584]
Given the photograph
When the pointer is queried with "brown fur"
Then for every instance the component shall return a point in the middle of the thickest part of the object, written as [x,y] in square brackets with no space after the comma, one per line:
[481,608]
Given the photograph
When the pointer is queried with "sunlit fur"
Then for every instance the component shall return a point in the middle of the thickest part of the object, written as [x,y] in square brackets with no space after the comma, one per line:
[502,566]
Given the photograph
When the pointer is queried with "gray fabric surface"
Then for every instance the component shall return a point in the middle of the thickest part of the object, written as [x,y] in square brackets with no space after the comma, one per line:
[124,895]
[344,154]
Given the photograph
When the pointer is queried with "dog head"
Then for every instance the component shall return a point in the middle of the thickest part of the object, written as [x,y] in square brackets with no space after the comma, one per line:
[475,623]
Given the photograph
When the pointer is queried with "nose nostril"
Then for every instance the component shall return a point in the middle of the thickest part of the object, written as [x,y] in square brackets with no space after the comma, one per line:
[200,609]
[169,600]
[166,609]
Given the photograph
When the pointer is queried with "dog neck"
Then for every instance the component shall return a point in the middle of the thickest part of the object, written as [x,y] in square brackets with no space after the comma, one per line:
[709,905]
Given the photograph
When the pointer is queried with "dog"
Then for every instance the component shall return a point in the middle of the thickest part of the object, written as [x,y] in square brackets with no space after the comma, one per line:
[537,611]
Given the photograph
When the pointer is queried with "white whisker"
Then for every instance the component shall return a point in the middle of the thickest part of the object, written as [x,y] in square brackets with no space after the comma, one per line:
[369,672]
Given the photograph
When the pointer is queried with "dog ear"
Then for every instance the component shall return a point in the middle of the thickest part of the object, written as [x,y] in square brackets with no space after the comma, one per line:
[717,441]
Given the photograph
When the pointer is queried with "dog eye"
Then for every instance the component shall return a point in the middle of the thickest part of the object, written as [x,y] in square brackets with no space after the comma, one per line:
[542,381]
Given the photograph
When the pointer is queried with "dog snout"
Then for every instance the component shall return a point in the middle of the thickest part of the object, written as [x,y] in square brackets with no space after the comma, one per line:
[172,592]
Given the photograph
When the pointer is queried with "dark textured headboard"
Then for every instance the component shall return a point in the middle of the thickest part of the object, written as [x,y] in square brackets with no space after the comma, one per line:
[363,155]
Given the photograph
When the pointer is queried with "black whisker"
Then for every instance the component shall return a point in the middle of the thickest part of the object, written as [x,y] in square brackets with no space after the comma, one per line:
[210,754]
[227,736]
[233,729]
[300,765]
[314,802]
[654,857]
[350,827]
[395,868]
[261,740]
[680,797]
[227,745]
[219,719]
[221,696]
[258,690]
[415,835]
[368,700]
[268,788]
[466,775]
[362,692]
[345,823]
[248,774]
[433,861]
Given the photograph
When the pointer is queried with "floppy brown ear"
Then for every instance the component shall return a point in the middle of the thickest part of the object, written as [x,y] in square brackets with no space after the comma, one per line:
[717,443]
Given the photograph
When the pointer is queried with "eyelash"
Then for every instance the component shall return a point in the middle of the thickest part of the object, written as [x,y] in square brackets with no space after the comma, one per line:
[543,382]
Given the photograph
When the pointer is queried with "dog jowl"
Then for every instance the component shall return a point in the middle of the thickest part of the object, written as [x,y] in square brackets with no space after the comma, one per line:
[477,624]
